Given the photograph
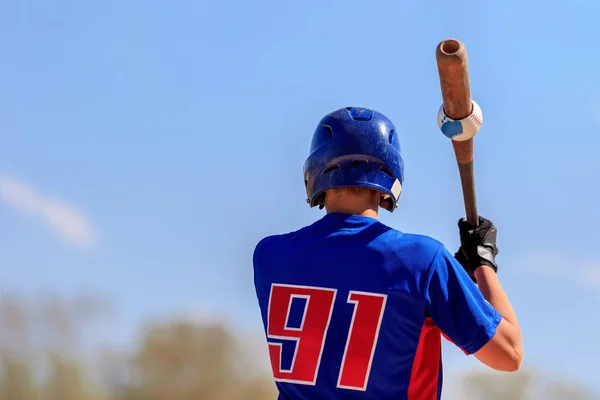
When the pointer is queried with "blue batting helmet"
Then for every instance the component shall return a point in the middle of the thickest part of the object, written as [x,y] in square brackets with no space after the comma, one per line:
[354,146]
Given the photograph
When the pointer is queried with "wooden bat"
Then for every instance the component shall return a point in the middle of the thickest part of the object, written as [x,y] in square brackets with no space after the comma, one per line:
[451,56]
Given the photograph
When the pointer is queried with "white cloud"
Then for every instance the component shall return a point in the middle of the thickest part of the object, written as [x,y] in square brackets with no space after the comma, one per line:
[62,218]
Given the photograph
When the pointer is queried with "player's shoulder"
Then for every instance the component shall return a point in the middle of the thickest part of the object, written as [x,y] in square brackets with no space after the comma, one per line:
[270,245]
[423,243]
[416,251]
[263,245]
[411,242]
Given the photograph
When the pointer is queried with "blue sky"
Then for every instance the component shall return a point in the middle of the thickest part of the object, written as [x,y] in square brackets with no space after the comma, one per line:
[147,146]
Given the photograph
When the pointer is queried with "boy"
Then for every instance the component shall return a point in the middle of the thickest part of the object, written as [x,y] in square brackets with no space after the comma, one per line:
[354,309]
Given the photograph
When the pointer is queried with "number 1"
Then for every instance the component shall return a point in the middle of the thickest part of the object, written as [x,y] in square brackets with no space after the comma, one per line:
[360,346]
[309,337]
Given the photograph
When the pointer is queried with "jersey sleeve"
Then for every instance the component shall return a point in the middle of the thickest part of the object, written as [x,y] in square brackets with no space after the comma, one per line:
[456,305]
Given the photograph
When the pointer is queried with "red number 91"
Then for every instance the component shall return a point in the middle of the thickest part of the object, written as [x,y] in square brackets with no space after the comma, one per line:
[309,337]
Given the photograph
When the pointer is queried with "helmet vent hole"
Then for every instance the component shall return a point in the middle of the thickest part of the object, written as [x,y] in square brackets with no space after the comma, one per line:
[386,171]
[331,168]
[391,135]
[360,113]
[356,163]
[329,130]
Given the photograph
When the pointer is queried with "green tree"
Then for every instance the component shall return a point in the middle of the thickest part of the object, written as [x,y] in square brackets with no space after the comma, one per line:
[64,381]
[523,385]
[498,386]
[38,346]
[184,361]
[16,380]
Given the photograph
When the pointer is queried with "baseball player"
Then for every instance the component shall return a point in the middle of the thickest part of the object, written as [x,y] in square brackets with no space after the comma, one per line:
[354,309]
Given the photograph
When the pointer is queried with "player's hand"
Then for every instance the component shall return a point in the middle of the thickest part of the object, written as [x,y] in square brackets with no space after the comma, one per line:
[477,245]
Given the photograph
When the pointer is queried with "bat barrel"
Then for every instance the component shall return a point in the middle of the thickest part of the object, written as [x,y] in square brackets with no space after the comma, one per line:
[451,56]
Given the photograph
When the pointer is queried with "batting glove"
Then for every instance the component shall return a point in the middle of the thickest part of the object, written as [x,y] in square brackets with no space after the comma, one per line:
[477,246]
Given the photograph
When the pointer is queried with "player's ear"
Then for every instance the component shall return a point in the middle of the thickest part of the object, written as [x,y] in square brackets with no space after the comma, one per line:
[385,201]
[321,200]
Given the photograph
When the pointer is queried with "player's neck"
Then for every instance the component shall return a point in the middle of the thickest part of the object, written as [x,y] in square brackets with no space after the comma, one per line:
[365,203]
[364,211]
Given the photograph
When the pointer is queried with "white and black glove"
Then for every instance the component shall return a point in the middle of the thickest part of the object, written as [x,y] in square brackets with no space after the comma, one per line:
[477,246]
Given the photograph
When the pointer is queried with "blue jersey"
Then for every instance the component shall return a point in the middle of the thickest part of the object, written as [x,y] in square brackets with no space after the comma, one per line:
[354,309]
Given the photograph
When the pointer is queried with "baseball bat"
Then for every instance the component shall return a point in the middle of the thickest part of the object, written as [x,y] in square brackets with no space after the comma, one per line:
[451,57]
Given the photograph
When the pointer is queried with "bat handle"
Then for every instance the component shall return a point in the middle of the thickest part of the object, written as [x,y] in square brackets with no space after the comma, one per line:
[464,157]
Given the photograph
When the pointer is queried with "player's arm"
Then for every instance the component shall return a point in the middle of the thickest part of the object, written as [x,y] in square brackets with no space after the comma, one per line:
[470,320]
[504,351]
[477,256]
